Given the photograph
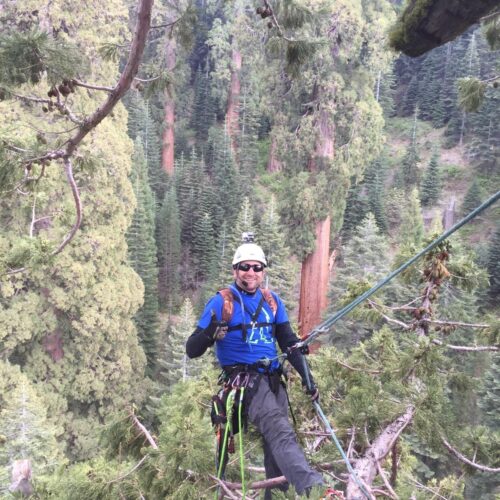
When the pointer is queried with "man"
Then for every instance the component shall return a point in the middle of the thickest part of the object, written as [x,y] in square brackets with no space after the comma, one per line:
[247,343]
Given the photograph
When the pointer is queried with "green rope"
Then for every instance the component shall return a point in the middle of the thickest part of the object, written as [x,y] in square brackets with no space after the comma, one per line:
[242,458]
[328,323]
[229,413]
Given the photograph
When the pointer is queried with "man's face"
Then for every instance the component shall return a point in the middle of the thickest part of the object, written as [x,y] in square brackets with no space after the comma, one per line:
[247,277]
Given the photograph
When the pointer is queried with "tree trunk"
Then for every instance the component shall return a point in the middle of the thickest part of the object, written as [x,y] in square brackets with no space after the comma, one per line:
[315,268]
[366,467]
[273,164]
[314,280]
[168,137]
[233,101]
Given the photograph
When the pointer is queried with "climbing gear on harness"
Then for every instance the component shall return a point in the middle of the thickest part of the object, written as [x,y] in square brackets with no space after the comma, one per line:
[224,415]
[228,295]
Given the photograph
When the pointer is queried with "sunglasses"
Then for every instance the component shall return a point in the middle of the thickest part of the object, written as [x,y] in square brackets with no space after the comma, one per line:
[257,268]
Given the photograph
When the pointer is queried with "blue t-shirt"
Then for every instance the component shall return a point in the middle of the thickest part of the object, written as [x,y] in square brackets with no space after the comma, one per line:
[260,342]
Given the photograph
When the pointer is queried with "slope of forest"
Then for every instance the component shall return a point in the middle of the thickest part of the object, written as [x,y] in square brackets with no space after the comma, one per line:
[300,125]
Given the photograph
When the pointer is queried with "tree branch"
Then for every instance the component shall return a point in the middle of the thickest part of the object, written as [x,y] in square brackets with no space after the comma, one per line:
[143,430]
[133,469]
[68,168]
[126,78]
[466,348]
[465,460]
[91,86]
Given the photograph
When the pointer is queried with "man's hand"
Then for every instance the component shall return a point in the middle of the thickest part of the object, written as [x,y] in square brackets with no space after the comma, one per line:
[216,330]
[312,392]
[220,331]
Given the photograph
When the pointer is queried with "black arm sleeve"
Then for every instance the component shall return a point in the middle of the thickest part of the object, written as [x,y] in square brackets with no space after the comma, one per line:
[286,338]
[198,342]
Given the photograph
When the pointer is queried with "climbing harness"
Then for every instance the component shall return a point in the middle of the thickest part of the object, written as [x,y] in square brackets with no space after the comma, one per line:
[227,422]
[229,294]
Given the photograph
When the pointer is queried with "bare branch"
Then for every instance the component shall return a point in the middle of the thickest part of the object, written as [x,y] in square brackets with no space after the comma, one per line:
[466,348]
[133,469]
[455,323]
[143,430]
[465,460]
[366,467]
[91,86]
[391,493]
[375,307]
[68,168]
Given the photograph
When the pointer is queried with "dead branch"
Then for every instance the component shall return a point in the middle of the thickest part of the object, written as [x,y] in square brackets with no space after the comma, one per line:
[401,324]
[366,467]
[133,469]
[68,168]
[466,348]
[390,492]
[465,460]
[143,430]
[455,323]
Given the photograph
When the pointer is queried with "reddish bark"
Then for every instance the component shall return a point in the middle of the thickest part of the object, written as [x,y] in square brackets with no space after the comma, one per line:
[233,101]
[53,345]
[273,164]
[168,137]
[314,280]
[315,268]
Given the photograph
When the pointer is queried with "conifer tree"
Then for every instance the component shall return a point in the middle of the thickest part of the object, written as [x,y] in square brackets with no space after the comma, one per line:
[374,182]
[203,115]
[431,183]
[282,269]
[26,432]
[225,177]
[355,211]
[180,367]
[142,254]
[473,198]
[411,231]
[364,261]
[141,124]
[493,266]
[409,174]
[169,251]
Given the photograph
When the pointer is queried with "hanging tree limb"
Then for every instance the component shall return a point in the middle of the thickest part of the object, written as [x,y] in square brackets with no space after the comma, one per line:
[465,460]
[91,122]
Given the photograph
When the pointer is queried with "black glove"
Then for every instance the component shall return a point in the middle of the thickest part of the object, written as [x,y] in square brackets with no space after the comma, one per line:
[312,392]
[216,330]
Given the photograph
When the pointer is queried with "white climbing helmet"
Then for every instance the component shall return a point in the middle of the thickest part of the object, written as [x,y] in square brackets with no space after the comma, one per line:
[249,251]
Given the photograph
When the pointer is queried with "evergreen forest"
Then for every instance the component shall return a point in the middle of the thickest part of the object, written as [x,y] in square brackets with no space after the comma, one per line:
[138,141]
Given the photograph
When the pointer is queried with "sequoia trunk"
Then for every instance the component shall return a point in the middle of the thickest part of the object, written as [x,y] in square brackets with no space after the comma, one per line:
[168,137]
[314,280]
[233,101]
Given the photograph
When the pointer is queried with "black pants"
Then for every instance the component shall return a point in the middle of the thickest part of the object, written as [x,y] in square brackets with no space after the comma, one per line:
[282,454]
